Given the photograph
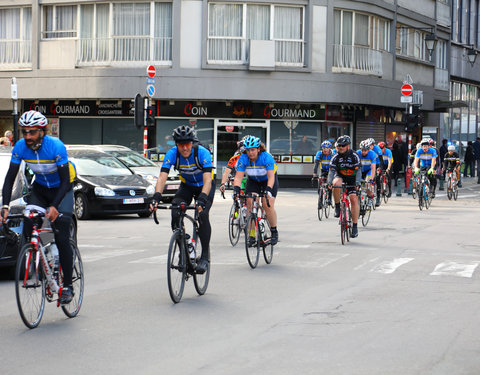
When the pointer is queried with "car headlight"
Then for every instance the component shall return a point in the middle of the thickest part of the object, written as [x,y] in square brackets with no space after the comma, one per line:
[150,190]
[104,192]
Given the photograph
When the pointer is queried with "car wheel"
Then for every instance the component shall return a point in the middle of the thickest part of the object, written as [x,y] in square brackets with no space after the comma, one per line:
[81,207]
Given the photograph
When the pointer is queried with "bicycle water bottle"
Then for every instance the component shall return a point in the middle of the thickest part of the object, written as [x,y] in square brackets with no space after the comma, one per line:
[244,211]
[191,247]
[261,225]
[49,256]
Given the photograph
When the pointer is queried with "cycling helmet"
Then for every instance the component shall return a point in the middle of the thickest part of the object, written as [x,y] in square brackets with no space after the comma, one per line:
[327,144]
[425,141]
[451,148]
[370,141]
[343,140]
[183,134]
[33,119]
[431,142]
[364,145]
[381,144]
[251,142]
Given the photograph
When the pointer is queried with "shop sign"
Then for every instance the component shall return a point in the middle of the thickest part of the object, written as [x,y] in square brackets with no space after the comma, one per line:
[71,108]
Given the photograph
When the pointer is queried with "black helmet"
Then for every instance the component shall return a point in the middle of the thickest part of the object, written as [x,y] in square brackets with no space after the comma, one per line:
[343,140]
[183,134]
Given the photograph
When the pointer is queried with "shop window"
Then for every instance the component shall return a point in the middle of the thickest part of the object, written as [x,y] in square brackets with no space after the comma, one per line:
[203,128]
[304,138]
[81,131]
[122,132]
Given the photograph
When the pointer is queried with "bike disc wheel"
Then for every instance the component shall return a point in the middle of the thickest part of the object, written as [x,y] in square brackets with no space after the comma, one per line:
[201,280]
[449,189]
[267,243]
[234,224]
[71,310]
[176,267]
[30,286]
[252,236]
[320,204]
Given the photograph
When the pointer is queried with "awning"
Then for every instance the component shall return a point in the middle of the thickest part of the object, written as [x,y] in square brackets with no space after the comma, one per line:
[445,105]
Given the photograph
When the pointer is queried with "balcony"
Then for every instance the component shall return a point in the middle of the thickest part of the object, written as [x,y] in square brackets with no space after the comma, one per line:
[15,54]
[358,60]
[118,50]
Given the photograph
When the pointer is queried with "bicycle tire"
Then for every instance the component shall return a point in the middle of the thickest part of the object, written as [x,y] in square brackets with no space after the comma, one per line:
[320,204]
[29,287]
[366,216]
[200,280]
[386,192]
[349,223]
[455,192]
[428,197]
[176,266]
[252,250]
[267,242]
[326,205]
[449,189]
[71,310]
[343,224]
[234,228]
[420,199]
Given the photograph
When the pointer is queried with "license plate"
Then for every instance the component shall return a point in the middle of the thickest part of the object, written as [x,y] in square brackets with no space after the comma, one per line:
[172,187]
[133,200]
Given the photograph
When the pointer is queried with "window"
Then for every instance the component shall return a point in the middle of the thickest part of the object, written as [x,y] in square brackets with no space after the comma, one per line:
[411,43]
[232,26]
[441,54]
[59,21]
[15,35]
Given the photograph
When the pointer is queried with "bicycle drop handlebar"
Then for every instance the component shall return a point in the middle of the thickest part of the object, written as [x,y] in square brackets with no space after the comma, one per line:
[181,207]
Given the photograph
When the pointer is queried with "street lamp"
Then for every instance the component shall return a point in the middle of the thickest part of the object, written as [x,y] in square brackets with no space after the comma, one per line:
[431,43]
[472,55]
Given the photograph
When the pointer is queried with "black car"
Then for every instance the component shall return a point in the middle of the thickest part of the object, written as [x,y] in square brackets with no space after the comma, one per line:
[106,186]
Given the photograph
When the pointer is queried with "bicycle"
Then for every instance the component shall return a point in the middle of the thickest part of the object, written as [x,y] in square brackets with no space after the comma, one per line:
[236,219]
[39,276]
[345,220]
[258,233]
[384,188]
[322,205]
[452,188]
[184,254]
[366,204]
[423,191]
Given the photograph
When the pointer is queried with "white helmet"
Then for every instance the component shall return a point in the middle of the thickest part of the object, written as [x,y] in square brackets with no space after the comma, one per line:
[451,148]
[33,118]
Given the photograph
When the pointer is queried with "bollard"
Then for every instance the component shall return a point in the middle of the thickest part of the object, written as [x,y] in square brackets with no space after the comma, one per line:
[410,187]
[399,187]
[442,181]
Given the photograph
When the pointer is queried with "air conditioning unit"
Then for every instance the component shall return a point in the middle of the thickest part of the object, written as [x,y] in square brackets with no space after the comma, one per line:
[262,55]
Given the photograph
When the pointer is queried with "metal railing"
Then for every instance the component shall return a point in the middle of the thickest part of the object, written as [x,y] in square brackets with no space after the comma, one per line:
[15,53]
[355,59]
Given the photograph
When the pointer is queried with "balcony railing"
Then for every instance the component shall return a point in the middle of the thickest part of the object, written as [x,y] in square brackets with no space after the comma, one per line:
[355,59]
[441,79]
[106,51]
[15,54]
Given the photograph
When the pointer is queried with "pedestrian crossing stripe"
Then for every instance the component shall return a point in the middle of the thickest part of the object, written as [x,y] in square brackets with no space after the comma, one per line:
[456,269]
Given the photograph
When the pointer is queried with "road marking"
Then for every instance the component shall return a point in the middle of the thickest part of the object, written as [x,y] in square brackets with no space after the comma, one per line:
[455,269]
[322,261]
[108,254]
[365,263]
[159,259]
[391,267]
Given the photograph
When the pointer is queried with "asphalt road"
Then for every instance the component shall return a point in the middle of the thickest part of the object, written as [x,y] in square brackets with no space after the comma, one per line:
[402,298]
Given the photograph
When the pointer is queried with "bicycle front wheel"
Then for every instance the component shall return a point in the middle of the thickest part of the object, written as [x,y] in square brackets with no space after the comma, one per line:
[367,210]
[386,192]
[267,243]
[176,266]
[428,197]
[201,280]
[234,224]
[449,189]
[326,205]
[349,223]
[30,286]
[71,310]
[320,203]
[343,224]
[455,191]
[252,240]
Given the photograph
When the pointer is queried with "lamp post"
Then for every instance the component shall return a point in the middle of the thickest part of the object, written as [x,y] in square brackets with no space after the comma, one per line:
[472,55]
[431,42]
[14,95]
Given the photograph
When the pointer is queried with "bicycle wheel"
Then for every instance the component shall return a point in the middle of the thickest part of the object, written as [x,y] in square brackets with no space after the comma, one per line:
[320,204]
[252,240]
[386,191]
[366,215]
[30,286]
[234,224]
[455,191]
[420,197]
[201,280]
[414,189]
[176,266]
[449,189]
[343,224]
[71,310]
[349,223]
[267,242]
[326,205]
[428,196]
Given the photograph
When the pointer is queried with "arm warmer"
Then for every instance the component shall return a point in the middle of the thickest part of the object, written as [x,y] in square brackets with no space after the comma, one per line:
[65,185]
[8,184]
[315,168]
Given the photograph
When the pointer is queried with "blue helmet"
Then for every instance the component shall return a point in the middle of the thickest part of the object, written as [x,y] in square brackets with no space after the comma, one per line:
[327,144]
[251,142]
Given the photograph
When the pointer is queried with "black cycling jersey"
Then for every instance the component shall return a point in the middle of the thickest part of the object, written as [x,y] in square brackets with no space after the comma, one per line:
[451,161]
[346,165]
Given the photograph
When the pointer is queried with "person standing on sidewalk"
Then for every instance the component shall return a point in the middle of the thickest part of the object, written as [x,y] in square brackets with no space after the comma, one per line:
[476,154]
[469,160]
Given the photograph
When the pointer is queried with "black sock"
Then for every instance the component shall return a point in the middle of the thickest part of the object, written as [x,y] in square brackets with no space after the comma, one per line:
[337,206]
[274,229]
[355,225]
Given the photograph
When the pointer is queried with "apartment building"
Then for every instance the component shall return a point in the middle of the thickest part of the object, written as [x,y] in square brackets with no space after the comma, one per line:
[294,72]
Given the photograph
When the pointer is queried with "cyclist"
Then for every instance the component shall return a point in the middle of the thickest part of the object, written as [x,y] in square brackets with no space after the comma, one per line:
[51,191]
[232,163]
[345,167]
[368,160]
[378,168]
[387,160]
[324,157]
[194,165]
[451,162]
[261,170]
[427,158]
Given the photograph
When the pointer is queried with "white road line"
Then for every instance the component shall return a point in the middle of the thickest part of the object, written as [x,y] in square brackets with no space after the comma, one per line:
[365,263]
[108,254]
[321,261]
[455,269]
[159,259]
[391,267]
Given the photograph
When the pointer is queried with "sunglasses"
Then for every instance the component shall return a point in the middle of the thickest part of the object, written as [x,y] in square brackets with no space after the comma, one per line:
[341,145]
[30,131]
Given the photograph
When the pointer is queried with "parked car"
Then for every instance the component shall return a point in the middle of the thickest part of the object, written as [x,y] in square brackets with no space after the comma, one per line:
[104,185]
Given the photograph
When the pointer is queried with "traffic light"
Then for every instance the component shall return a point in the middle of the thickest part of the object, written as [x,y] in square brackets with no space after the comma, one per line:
[150,115]
[139,111]
[412,120]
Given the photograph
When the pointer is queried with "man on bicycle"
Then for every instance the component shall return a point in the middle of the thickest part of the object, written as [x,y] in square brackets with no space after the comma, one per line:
[261,170]
[194,165]
[51,192]
[368,159]
[387,161]
[324,156]
[345,167]
[451,162]
[427,158]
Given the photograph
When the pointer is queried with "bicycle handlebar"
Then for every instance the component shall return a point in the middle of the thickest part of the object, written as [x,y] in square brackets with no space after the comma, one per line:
[181,207]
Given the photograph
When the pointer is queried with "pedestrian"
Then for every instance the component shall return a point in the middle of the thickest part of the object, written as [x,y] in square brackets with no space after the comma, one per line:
[469,160]
[476,154]
[9,136]
[397,161]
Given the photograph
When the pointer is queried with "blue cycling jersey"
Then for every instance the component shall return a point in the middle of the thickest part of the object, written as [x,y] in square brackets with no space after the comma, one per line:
[378,151]
[44,161]
[367,160]
[189,173]
[426,157]
[257,170]
[324,159]
[386,156]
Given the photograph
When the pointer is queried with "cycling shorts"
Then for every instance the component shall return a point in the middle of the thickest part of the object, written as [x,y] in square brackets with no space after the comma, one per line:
[259,186]
[349,180]
[42,197]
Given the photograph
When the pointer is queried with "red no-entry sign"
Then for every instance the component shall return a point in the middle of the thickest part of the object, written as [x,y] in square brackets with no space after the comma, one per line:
[407,89]
[151,71]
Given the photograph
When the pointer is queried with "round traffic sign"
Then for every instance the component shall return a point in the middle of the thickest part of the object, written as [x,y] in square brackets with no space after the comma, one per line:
[151,71]
[150,90]
[229,128]
[406,89]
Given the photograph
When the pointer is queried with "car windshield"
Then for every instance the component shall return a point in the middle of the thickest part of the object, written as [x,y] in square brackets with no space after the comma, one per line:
[132,159]
[91,165]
